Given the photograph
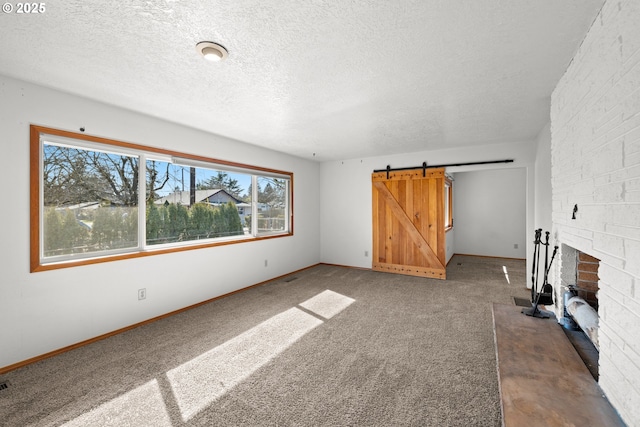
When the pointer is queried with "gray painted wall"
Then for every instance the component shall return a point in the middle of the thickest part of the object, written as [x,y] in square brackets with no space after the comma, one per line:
[543,181]
[490,212]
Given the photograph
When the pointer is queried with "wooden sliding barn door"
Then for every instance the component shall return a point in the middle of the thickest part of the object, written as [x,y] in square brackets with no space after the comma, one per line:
[408,222]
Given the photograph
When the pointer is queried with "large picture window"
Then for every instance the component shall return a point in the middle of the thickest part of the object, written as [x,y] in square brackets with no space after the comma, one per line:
[95,200]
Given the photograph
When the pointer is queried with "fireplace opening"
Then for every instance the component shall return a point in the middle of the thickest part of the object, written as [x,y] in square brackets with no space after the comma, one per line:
[579,303]
[587,278]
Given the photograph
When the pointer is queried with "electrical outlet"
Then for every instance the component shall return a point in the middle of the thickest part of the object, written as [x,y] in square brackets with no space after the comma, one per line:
[515,246]
[142,293]
[366,253]
[266,262]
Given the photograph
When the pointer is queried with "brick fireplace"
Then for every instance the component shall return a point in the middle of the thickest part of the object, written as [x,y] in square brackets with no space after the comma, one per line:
[579,278]
[595,192]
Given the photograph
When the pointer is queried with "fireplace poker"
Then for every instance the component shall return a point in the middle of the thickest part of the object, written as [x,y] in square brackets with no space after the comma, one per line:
[536,264]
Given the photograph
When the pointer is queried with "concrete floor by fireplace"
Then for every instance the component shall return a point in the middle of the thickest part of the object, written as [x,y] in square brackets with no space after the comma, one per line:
[543,380]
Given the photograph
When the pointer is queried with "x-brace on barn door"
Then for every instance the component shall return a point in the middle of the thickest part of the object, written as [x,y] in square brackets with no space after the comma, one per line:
[408,222]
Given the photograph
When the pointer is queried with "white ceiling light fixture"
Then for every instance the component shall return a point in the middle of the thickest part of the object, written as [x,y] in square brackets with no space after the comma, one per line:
[212,51]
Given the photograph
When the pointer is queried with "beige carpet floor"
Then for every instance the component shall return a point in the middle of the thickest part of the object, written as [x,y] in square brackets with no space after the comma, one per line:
[327,346]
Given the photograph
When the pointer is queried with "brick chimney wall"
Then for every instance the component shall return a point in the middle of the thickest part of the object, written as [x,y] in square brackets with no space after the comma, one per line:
[595,167]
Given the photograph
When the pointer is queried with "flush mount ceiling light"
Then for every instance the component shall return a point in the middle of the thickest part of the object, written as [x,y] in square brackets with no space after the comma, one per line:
[212,51]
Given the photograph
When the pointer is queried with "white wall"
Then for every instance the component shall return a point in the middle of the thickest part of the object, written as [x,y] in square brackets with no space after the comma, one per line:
[543,180]
[49,310]
[450,248]
[595,163]
[490,213]
[345,191]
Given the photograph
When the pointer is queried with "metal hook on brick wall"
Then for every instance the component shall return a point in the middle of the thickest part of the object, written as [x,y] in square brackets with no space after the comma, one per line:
[575,209]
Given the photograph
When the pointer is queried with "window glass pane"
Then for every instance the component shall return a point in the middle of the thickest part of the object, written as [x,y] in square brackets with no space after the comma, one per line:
[193,203]
[446,205]
[90,201]
[273,204]
[448,201]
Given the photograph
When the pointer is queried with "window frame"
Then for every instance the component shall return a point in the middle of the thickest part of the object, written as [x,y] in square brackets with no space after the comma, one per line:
[448,203]
[144,153]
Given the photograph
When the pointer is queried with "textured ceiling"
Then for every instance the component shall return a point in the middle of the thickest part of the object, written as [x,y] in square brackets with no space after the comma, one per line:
[343,79]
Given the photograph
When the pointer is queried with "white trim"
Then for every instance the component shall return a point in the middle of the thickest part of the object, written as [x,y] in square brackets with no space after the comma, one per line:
[188,162]
[61,141]
[254,205]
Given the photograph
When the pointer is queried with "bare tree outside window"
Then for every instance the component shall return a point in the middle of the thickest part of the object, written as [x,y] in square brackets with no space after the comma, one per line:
[90,200]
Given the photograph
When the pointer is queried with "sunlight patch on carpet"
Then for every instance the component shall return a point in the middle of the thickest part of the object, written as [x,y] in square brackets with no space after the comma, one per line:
[202,380]
[142,406]
[327,304]
[506,273]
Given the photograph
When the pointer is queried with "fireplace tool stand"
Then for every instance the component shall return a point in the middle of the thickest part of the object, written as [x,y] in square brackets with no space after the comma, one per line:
[544,295]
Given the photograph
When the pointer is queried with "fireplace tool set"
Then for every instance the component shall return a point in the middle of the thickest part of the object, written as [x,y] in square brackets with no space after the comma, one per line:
[544,294]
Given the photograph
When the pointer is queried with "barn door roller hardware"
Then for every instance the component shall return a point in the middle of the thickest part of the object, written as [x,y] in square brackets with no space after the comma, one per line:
[425,167]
